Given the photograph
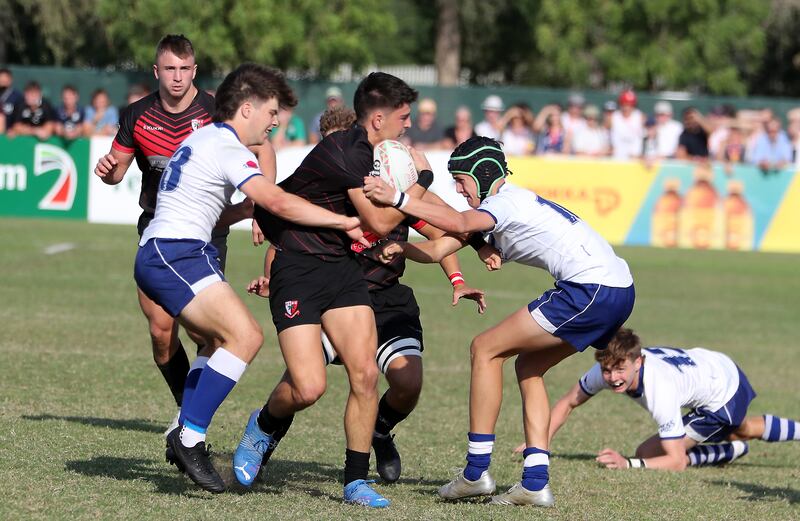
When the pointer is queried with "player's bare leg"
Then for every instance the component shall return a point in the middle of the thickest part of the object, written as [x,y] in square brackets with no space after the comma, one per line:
[404,376]
[752,428]
[302,384]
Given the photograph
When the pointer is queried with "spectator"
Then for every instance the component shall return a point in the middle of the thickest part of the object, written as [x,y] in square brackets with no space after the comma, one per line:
[461,131]
[333,98]
[573,120]
[291,132]
[733,149]
[773,150]
[551,137]
[2,123]
[719,119]
[70,114]
[693,143]
[650,151]
[668,131]
[9,96]
[627,127]
[136,92]
[793,131]
[335,119]
[517,137]
[592,139]
[34,116]
[425,132]
[609,107]
[493,109]
[100,118]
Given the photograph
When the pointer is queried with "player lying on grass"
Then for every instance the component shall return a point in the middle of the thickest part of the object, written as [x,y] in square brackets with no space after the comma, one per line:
[177,267]
[663,380]
[593,297]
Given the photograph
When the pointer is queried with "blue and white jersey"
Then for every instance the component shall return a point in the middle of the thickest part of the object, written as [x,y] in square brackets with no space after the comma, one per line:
[534,231]
[673,378]
[198,183]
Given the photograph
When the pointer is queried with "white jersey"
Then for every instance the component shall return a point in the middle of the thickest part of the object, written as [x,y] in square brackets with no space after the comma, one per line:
[198,183]
[627,134]
[536,232]
[674,378]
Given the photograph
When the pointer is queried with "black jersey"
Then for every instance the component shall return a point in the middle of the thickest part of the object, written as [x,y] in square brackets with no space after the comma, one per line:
[377,274]
[152,134]
[337,164]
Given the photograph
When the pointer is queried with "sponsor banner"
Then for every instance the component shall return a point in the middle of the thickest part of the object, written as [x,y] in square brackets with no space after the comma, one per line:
[605,194]
[43,178]
[112,204]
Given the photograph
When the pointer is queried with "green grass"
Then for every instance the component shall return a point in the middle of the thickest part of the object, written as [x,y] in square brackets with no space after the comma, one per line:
[82,407]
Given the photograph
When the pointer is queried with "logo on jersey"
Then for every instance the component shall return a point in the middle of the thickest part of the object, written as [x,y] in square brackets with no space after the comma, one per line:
[47,158]
[251,164]
[196,123]
[292,308]
[376,168]
[357,247]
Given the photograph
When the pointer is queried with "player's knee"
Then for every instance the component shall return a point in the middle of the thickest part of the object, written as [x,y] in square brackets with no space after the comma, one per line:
[250,338]
[364,378]
[308,393]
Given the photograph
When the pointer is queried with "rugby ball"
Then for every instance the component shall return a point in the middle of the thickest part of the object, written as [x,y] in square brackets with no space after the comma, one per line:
[392,161]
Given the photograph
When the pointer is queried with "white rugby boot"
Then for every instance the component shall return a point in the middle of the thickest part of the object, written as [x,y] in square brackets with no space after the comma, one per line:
[519,495]
[461,487]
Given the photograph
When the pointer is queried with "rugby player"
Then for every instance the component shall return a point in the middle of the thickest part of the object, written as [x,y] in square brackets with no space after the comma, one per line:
[316,282]
[150,130]
[176,266]
[663,380]
[593,297]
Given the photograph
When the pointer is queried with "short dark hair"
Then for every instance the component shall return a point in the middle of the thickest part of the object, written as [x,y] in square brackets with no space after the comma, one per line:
[380,91]
[177,44]
[6,70]
[69,86]
[32,85]
[251,81]
[625,345]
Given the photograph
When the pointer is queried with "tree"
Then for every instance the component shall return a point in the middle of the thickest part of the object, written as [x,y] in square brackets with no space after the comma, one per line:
[779,73]
[448,43]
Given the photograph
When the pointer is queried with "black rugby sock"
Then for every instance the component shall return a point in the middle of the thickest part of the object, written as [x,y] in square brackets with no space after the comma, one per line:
[356,465]
[174,373]
[272,425]
[387,417]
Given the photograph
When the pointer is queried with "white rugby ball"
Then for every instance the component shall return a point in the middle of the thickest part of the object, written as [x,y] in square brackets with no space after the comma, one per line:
[392,161]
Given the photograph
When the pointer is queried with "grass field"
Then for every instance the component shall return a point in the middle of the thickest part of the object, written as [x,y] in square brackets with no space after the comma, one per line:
[82,406]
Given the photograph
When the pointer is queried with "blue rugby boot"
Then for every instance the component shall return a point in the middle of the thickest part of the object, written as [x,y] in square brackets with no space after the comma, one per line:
[251,450]
[359,492]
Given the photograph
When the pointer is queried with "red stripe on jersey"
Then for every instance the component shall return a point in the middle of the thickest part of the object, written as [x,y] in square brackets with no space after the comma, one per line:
[175,120]
[115,144]
[151,148]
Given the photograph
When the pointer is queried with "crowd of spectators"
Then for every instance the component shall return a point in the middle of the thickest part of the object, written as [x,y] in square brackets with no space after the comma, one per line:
[618,129]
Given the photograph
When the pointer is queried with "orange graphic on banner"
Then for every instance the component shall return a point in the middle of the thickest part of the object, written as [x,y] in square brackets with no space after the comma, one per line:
[666,215]
[607,195]
[701,222]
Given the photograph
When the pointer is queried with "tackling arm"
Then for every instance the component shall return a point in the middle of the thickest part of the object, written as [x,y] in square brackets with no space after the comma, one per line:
[564,406]
[111,168]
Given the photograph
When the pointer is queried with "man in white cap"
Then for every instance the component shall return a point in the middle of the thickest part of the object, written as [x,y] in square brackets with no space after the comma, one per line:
[572,119]
[492,108]
[333,98]
[668,131]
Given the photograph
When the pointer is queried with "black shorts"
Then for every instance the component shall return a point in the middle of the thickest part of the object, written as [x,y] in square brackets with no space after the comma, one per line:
[219,237]
[399,328]
[303,287]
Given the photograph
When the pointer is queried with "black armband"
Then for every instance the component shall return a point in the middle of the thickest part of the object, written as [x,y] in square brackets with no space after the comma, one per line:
[425,179]
[476,241]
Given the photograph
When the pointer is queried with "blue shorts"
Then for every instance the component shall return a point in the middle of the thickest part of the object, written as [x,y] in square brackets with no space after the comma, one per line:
[704,426]
[583,314]
[172,271]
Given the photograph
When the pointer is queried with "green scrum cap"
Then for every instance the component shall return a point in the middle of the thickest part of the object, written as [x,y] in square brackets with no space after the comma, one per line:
[483,160]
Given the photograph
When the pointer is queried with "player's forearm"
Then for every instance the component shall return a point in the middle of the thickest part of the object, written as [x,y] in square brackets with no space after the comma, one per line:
[269,256]
[299,211]
[558,417]
[441,216]
[234,213]
[666,462]
[427,252]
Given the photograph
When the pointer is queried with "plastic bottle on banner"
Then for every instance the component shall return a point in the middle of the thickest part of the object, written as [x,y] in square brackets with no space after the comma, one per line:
[701,219]
[739,224]
[666,214]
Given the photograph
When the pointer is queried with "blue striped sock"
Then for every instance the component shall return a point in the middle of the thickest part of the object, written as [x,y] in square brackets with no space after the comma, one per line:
[716,454]
[218,378]
[191,384]
[780,429]
[535,473]
[479,455]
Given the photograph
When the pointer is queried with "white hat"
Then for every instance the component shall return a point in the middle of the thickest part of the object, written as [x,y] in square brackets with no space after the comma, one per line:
[493,102]
[663,107]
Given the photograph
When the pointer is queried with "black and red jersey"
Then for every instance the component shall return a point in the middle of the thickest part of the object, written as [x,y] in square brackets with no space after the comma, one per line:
[152,134]
[377,274]
[337,164]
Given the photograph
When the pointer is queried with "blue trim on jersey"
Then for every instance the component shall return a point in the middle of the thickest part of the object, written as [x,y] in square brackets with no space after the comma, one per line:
[490,214]
[246,180]
[715,426]
[580,384]
[639,388]
[225,125]
[672,437]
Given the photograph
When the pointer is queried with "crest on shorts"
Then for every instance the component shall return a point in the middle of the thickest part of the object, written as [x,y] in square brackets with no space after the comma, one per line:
[196,123]
[292,308]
